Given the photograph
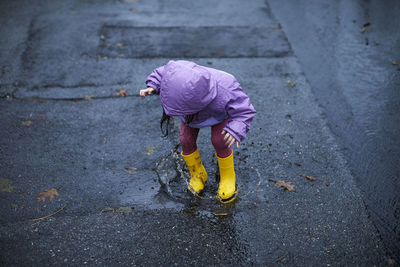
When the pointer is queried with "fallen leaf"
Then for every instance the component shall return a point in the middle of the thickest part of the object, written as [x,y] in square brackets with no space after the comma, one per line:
[5,185]
[394,63]
[102,37]
[50,193]
[89,97]
[105,57]
[293,84]
[26,123]
[150,150]
[288,81]
[286,185]
[391,261]
[122,92]
[105,140]
[130,170]
[73,59]
[121,55]
[220,213]
[362,29]
[120,44]
[310,178]
[107,210]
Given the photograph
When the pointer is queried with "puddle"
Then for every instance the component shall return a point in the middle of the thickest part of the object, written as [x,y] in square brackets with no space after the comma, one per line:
[174,179]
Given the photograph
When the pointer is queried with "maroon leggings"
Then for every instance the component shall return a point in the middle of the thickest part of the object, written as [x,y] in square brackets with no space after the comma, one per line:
[188,137]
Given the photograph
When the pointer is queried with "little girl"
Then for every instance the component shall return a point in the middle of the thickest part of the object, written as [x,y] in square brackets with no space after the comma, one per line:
[201,97]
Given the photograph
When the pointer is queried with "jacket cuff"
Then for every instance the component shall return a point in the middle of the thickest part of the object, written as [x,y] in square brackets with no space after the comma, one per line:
[154,86]
[229,130]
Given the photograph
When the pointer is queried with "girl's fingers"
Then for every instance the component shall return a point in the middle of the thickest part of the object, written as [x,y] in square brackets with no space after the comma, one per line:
[143,93]
[230,141]
[227,135]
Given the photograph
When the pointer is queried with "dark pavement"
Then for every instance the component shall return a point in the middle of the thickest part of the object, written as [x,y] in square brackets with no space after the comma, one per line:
[351,72]
[122,200]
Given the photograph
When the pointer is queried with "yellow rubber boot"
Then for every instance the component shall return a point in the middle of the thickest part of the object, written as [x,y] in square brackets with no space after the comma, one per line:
[227,185]
[198,174]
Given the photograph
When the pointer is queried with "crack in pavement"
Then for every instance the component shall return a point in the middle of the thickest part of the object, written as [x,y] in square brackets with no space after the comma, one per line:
[11,96]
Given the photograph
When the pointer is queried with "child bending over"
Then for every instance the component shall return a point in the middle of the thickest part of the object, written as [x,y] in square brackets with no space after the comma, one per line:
[203,97]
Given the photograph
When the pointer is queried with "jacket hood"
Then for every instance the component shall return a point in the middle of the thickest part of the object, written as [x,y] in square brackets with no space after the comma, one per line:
[186,88]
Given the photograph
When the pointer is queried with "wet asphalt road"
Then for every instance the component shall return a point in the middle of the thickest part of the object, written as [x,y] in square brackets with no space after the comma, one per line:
[351,74]
[64,127]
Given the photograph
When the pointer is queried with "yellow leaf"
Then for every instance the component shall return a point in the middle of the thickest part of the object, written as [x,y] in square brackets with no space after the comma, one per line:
[150,150]
[50,193]
[89,97]
[220,213]
[26,123]
[394,63]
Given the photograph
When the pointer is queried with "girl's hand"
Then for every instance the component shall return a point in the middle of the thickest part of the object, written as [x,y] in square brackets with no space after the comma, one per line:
[145,92]
[229,139]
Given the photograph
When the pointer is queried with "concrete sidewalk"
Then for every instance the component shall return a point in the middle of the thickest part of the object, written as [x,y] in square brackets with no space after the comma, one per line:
[121,198]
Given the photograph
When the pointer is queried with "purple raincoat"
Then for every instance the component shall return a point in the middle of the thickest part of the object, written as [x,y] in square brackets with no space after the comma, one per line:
[186,88]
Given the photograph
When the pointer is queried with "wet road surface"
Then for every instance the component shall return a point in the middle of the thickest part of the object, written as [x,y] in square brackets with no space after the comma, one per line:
[122,197]
[351,72]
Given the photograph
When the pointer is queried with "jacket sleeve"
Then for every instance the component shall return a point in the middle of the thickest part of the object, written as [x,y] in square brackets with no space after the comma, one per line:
[154,79]
[240,114]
